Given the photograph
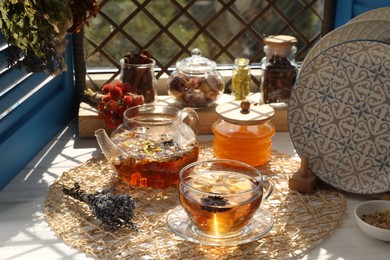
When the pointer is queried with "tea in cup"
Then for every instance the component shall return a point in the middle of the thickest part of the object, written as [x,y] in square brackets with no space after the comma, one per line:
[221,196]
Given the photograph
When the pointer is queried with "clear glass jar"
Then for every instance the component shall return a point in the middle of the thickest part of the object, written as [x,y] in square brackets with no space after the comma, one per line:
[243,135]
[241,79]
[279,69]
[195,82]
[141,79]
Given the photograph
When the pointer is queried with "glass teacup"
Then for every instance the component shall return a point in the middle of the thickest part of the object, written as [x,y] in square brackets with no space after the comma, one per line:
[221,196]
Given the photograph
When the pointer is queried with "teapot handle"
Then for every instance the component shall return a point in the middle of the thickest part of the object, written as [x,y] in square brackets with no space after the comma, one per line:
[192,118]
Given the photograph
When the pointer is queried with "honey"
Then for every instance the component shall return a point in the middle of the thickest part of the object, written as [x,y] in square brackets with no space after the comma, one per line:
[248,141]
[249,144]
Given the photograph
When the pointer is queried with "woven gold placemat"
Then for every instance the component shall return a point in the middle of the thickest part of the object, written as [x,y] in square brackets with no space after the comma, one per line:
[301,221]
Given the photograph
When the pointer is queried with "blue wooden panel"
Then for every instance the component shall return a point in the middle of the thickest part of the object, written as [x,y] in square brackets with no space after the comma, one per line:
[15,85]
[348,9]
[14,116]
[27,138]
[31,123]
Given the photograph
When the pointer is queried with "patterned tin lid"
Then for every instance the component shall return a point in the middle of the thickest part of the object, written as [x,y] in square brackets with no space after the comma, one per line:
[339,115]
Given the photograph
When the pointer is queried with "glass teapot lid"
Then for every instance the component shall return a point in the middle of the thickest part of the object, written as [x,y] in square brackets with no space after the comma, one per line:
[196,63]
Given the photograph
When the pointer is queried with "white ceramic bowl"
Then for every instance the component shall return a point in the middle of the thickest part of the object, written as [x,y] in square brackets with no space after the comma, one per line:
[369,207]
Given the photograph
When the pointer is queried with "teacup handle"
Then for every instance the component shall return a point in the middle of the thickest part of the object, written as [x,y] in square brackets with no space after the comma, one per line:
[193,118]
[270,187]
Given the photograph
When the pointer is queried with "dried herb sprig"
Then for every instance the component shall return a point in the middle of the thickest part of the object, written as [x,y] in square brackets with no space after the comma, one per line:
[36,31]
[113,210]
[213,204]
[82,11]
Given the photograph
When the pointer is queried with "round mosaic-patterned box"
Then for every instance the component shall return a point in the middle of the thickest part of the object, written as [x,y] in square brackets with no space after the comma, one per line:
[339,115]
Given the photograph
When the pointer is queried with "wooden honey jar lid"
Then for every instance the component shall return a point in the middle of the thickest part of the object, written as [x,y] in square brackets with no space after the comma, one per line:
[245,112]
[282,41]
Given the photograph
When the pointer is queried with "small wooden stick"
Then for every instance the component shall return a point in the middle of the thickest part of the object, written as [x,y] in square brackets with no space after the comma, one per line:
[303,180]
[385,196]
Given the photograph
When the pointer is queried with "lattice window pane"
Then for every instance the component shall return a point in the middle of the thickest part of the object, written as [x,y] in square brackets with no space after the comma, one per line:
[222,29]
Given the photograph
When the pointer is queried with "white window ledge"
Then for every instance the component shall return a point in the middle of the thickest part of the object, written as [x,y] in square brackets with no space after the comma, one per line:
[100,79]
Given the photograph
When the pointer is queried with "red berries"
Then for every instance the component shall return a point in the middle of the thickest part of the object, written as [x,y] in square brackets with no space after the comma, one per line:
[127,100]
[138,100]
[115,101]
[106,88]
[116,92]
[111,106]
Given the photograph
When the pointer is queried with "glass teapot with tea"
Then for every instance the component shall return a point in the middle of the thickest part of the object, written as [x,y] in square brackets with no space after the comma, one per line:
[152,145]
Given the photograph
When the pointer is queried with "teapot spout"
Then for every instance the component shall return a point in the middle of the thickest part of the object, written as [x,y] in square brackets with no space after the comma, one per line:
[110,150]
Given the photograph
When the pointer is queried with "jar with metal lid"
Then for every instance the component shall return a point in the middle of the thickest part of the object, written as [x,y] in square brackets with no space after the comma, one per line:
[244,132]
[279,69]
[195,82]
[241,79]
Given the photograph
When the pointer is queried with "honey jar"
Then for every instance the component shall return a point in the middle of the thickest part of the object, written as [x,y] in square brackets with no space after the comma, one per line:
[244,132]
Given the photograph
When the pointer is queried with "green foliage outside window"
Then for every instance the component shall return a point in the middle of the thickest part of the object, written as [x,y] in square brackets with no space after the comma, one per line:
[166,30]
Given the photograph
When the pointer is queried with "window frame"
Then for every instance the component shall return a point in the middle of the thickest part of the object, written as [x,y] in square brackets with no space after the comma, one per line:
[95,79]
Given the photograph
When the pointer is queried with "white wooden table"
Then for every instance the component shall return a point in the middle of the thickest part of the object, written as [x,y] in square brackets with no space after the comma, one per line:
[24,234]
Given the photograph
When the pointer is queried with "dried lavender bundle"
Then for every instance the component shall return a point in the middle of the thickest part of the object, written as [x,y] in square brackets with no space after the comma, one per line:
[113,210]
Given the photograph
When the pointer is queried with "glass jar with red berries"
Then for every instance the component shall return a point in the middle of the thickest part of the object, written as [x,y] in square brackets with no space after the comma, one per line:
[195,82]
[279,69]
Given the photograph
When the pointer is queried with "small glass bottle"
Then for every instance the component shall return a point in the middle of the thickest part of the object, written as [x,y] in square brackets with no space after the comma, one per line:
[279,69]
[241,79]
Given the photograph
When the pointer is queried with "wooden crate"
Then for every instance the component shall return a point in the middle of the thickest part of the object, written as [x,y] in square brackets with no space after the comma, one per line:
[89,121]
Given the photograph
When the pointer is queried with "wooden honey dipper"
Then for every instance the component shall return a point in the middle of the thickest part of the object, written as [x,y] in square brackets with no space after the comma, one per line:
[303,180]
